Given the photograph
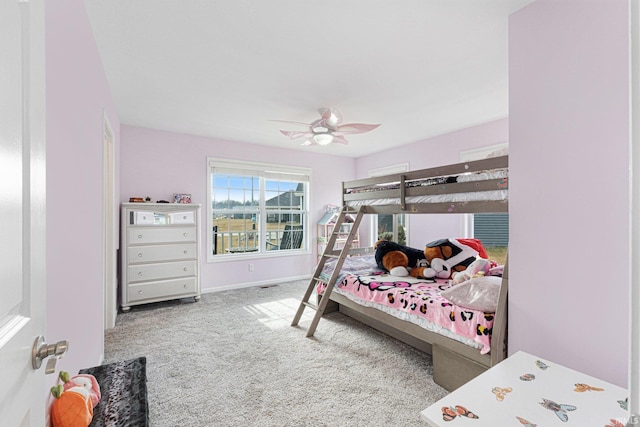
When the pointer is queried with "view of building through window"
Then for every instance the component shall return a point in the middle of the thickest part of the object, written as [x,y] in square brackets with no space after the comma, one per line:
[391,227]
[253,211]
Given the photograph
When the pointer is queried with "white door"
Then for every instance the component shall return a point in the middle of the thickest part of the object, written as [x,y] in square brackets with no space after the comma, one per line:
[110,235]
[22,210]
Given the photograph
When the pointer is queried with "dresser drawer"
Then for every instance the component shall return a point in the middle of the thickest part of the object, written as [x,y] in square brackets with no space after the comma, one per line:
[145,272]
[162,288]
[140,254]
[161,234]
[182,218]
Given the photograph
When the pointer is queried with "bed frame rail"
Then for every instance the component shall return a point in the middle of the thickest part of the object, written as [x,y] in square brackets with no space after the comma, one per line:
[402,189]
[455,169]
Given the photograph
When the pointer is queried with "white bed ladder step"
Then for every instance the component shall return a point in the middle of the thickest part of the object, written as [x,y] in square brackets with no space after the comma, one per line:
[329,252]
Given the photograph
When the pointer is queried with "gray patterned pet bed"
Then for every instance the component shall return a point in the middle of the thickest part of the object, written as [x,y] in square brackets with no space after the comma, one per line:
[123,386]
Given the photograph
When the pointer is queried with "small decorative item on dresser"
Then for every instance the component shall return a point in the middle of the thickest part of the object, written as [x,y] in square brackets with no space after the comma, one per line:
[181,198]
[136,200]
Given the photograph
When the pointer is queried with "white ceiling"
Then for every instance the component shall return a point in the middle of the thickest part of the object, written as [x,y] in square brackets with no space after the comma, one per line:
[225,69]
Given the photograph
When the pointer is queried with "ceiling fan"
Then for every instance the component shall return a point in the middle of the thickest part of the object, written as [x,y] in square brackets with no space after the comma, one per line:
[327,129]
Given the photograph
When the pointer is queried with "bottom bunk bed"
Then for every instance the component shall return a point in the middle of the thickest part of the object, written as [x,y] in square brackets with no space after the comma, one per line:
[463,326]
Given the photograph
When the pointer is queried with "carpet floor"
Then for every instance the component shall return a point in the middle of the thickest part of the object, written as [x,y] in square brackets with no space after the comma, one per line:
[232,359]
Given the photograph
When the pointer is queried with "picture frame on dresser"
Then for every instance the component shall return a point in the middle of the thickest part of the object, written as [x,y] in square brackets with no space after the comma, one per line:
[181,198]
[160,253]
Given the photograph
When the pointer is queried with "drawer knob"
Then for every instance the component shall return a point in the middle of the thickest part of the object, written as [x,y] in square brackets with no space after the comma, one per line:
[140,255]
[139,273]
[186,269]
[185,234]
[184,217]
[185,286]
[139,292]
[139,236]
[186,252]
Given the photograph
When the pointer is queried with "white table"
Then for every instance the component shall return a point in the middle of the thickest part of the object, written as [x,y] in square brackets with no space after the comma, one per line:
[512,392]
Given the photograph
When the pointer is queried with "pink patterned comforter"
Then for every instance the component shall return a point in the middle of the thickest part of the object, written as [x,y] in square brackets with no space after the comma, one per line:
[419,302]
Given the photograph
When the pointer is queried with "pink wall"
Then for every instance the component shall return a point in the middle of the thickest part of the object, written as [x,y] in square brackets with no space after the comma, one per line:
[157,164]
[568,114]
[569,121]
[77,93]
[432,152]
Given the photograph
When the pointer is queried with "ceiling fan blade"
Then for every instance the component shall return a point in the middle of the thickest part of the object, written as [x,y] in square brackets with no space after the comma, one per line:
[340,139]
[293,134]
[353,128]
[290,122]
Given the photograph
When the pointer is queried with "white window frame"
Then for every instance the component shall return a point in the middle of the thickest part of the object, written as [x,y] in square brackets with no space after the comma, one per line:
[264,171]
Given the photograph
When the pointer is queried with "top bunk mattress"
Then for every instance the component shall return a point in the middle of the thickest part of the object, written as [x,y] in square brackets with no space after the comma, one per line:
[478,181]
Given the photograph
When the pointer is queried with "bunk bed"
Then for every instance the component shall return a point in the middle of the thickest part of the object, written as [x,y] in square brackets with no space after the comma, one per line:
[471,187]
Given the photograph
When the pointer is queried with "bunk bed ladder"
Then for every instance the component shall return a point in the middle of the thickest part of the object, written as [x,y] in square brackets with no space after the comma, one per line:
[329,252]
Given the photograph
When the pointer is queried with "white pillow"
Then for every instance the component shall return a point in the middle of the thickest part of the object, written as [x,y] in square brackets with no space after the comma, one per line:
[497,153]
[479,293]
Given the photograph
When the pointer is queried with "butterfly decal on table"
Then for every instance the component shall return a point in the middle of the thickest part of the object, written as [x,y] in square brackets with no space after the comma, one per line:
[501,392]
[614,423]
[450,412]
[526,423]
[581,388]
[560,409]
[540,364]
[624,404]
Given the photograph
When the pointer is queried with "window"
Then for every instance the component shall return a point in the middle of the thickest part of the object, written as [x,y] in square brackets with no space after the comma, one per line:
[392,227]
[491,228]
[256,209]
[389,226]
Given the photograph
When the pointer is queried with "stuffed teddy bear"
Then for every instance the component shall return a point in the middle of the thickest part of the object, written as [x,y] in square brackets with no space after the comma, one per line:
[447,256]
[398,259]
[75,400]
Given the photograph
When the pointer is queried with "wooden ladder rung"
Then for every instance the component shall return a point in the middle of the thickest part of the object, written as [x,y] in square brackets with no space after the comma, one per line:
[310,305]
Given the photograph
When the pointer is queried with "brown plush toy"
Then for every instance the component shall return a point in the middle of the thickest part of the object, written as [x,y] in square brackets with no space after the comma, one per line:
[397,259]
[446,256]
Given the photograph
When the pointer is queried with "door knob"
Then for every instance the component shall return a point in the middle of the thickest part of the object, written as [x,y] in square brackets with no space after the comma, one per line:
[42,350]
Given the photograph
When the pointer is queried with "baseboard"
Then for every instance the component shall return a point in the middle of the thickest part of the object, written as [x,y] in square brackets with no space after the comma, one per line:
[254,284]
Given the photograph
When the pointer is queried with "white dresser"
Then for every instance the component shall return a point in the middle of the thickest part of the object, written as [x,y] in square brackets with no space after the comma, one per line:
[160,252]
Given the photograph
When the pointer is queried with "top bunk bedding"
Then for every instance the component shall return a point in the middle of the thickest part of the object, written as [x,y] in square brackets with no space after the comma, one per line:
[477,186]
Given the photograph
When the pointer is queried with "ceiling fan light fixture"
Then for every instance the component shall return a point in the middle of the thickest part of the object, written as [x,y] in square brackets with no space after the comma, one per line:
[319,129]
[333,120]
[323,138]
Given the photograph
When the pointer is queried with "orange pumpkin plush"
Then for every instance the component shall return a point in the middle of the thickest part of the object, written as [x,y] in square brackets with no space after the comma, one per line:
[74,400]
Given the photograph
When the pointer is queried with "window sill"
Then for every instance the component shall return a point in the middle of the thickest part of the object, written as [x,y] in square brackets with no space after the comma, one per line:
[241,256]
